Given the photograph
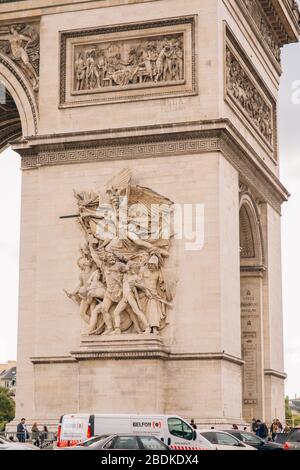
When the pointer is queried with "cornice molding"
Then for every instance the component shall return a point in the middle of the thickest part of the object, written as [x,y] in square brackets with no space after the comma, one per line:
[284,16]
[276,373]
[52,359]
[130,354]
[206,137]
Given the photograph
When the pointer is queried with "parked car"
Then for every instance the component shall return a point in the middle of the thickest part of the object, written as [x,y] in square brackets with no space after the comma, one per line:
[254,441]
[281,438]
[121,442]
[293,440]
[222,440]
[6,444]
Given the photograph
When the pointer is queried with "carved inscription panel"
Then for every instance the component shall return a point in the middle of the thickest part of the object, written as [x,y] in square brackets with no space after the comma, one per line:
[250,326]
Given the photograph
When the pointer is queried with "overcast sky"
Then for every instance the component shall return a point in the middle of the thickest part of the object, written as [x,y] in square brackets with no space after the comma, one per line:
[289,133]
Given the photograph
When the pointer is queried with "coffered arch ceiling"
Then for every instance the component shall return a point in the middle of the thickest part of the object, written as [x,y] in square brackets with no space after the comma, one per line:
[10,122]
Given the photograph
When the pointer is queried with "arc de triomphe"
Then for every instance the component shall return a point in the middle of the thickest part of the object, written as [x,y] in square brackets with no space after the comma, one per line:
[159,103]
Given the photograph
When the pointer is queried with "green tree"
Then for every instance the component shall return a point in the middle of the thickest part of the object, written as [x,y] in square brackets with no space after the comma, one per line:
[7,408]
[288,412]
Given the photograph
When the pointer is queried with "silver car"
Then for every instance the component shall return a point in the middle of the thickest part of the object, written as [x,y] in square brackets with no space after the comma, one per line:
[6,444]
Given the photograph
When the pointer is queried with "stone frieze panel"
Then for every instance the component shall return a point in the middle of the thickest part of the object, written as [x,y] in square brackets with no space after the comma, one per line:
[128,62]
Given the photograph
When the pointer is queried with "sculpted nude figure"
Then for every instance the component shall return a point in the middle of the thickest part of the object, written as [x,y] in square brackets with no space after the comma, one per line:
[18,50]
[130,298]
[81,291]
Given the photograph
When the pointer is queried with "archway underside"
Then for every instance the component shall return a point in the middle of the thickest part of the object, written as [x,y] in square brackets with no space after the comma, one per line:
[10,122]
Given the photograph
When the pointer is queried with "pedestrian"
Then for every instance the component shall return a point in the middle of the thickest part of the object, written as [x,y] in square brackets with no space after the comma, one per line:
[235,427]
[254,425]
[193,424]
[262,430]
[287,429]
[35,435]
[273,429]
[22,433]
[44,435]
[279,426]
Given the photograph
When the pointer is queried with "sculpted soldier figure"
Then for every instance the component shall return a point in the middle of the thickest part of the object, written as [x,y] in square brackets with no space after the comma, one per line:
[130,297]
[96,292]
[80,70]
[113,273]
[153,305]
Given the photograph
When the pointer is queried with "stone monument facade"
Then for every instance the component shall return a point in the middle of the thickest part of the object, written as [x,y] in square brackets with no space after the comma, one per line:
[117,107]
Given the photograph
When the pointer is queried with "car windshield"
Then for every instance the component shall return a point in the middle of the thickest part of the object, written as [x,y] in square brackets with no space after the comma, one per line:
[151,443]
[248,437]
[92,441]
[126,443]
[281,438]
[226,439]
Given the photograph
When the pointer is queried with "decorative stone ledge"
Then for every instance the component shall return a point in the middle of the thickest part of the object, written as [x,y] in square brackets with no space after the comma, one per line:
[128,347]
[276,373]
[121,347]
[253,271]
[52,359]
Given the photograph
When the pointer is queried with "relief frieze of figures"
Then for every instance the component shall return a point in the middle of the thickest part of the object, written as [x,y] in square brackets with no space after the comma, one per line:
[150,61]
[126,279]
[240,87]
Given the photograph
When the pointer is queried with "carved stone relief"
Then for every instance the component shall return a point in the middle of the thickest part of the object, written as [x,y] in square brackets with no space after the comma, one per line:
[21,43]
[128,62]
[125,285]
[244,92]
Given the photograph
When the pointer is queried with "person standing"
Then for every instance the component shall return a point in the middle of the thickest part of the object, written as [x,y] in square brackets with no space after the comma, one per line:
[254,425]
[193,424]
[279,426]
[44,435]
[22,431]
[274,429]
[262,430]
[35,435]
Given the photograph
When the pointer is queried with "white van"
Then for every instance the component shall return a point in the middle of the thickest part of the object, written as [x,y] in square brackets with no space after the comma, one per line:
[173,430]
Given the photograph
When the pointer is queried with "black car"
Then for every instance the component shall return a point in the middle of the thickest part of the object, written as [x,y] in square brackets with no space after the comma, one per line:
[281,437]
[293,440]
[255,441]
[122,442]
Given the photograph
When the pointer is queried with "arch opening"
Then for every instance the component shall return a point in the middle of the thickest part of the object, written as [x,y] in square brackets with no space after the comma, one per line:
[16,96]
[251,278]
[10,121]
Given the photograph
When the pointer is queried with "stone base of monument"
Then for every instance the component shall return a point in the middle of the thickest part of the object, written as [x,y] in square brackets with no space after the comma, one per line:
[130,346]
